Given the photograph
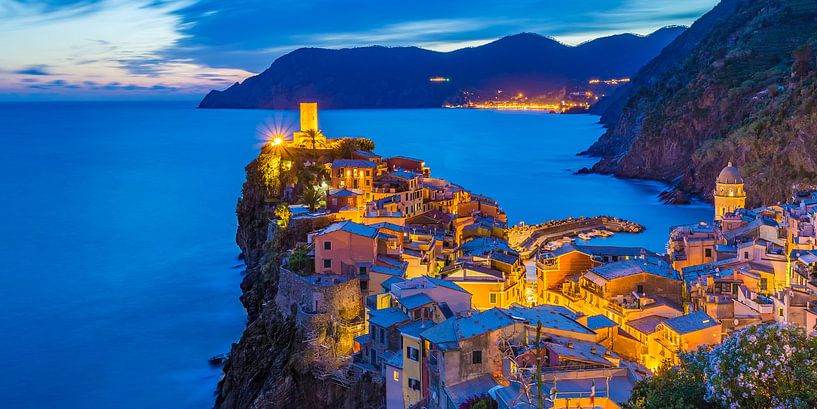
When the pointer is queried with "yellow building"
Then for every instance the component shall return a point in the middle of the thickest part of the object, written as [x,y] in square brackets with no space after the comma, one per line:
[682,334]
[412,382]
[489,287]
[729,194]
[309,121]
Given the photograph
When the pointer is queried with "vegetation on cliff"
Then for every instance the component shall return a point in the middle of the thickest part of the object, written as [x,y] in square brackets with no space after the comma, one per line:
[739,85]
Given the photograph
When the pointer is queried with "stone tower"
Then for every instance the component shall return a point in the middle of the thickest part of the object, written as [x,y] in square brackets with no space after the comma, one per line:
[729,193]
[309,116]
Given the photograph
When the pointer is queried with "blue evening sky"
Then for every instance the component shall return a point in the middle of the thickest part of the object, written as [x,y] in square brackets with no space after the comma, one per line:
[56,49]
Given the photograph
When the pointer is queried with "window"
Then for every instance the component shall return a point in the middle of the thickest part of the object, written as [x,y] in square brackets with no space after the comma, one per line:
[492,298]
[764,283]
[327,263]
[746,255]
[476,357]
[640,289]
[382,336]
[708,252]
[780,312]
[413,384]
[368,173]
[364,285]
[396,376]
[412,353]
[327,245]
[361,270]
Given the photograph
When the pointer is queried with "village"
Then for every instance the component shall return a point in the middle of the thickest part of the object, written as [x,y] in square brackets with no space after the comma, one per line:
[415,281]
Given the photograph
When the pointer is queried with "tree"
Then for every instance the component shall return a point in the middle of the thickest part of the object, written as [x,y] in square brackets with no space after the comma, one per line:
[766,366]
[313,135]
[680,387]
[312,198]
[282,213]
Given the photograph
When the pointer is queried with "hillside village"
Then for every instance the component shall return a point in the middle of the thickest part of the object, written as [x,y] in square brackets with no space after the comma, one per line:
[411,279]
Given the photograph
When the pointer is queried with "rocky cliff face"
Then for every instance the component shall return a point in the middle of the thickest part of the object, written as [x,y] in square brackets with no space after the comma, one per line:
[738,85]
[268,367]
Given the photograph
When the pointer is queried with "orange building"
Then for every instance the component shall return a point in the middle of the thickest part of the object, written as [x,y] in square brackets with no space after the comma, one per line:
[354,174]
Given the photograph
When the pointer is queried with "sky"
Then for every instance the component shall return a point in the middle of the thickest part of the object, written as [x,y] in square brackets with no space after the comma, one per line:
[181,49]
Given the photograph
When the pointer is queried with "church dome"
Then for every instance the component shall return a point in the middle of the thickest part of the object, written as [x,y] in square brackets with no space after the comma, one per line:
[730,175]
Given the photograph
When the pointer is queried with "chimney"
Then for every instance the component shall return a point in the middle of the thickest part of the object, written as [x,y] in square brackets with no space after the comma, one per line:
[570,344]
[593,350]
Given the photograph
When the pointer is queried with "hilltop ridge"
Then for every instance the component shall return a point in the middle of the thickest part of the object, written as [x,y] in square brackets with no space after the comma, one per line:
[398,77]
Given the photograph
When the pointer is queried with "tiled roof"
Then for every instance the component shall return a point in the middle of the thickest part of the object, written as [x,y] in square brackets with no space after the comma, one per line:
[345,192]
[504,257]
[387,317]
[366,154]
[485,245]
[396,272]
[461,392]
[414,328]
[446,284]
[387,225]
[415,301]
[579,350]
[595,322]
[455,329]
[350,227]
[691,322]
[550,318]
[353,163]
[647,324]
[650,265]
[391,280]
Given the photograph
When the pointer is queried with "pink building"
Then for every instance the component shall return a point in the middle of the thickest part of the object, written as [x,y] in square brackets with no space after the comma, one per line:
[343,245]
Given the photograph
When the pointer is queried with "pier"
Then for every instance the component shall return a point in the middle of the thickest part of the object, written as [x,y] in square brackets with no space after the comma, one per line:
[526,239]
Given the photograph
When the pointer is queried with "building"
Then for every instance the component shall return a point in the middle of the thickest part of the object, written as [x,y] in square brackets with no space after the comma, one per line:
[729,194]
[342,246]
[682,334]
[554,266]
[355,174]
[309,122]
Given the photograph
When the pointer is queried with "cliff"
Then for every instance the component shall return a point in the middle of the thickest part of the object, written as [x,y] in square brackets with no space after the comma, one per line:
[738,85]
[272,365]
[398,77]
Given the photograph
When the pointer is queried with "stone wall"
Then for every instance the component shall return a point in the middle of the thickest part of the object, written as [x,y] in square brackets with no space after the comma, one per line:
[328,308]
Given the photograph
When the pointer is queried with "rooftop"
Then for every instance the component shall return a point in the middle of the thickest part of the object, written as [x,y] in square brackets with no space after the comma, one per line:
[415,301]
[691,322]
[595,322]
[353,163]
[350,227]
[650,265]
[387,317]
[549,317]
[449,332]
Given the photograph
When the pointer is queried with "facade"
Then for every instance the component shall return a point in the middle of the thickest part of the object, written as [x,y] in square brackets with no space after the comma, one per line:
[729,194]
[309,121]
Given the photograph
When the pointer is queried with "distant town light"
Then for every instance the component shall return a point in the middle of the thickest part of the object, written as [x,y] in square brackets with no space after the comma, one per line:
[439,79]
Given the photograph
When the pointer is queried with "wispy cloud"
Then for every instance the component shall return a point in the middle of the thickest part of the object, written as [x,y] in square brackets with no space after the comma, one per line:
[190,46]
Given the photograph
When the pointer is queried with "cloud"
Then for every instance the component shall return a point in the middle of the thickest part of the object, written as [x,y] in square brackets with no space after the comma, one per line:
[194,45]
[39,69]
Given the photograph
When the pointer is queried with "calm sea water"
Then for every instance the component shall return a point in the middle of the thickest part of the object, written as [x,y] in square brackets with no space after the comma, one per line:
[119,276]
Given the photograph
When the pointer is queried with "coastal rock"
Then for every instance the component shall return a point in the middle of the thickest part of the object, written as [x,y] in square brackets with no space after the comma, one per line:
[739,85]
[267,368]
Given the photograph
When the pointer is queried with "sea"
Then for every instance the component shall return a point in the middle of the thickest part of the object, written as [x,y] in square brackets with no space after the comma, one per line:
[120,274]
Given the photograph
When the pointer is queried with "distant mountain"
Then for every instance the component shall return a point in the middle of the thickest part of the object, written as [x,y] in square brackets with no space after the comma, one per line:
[398,77]
[740,84]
